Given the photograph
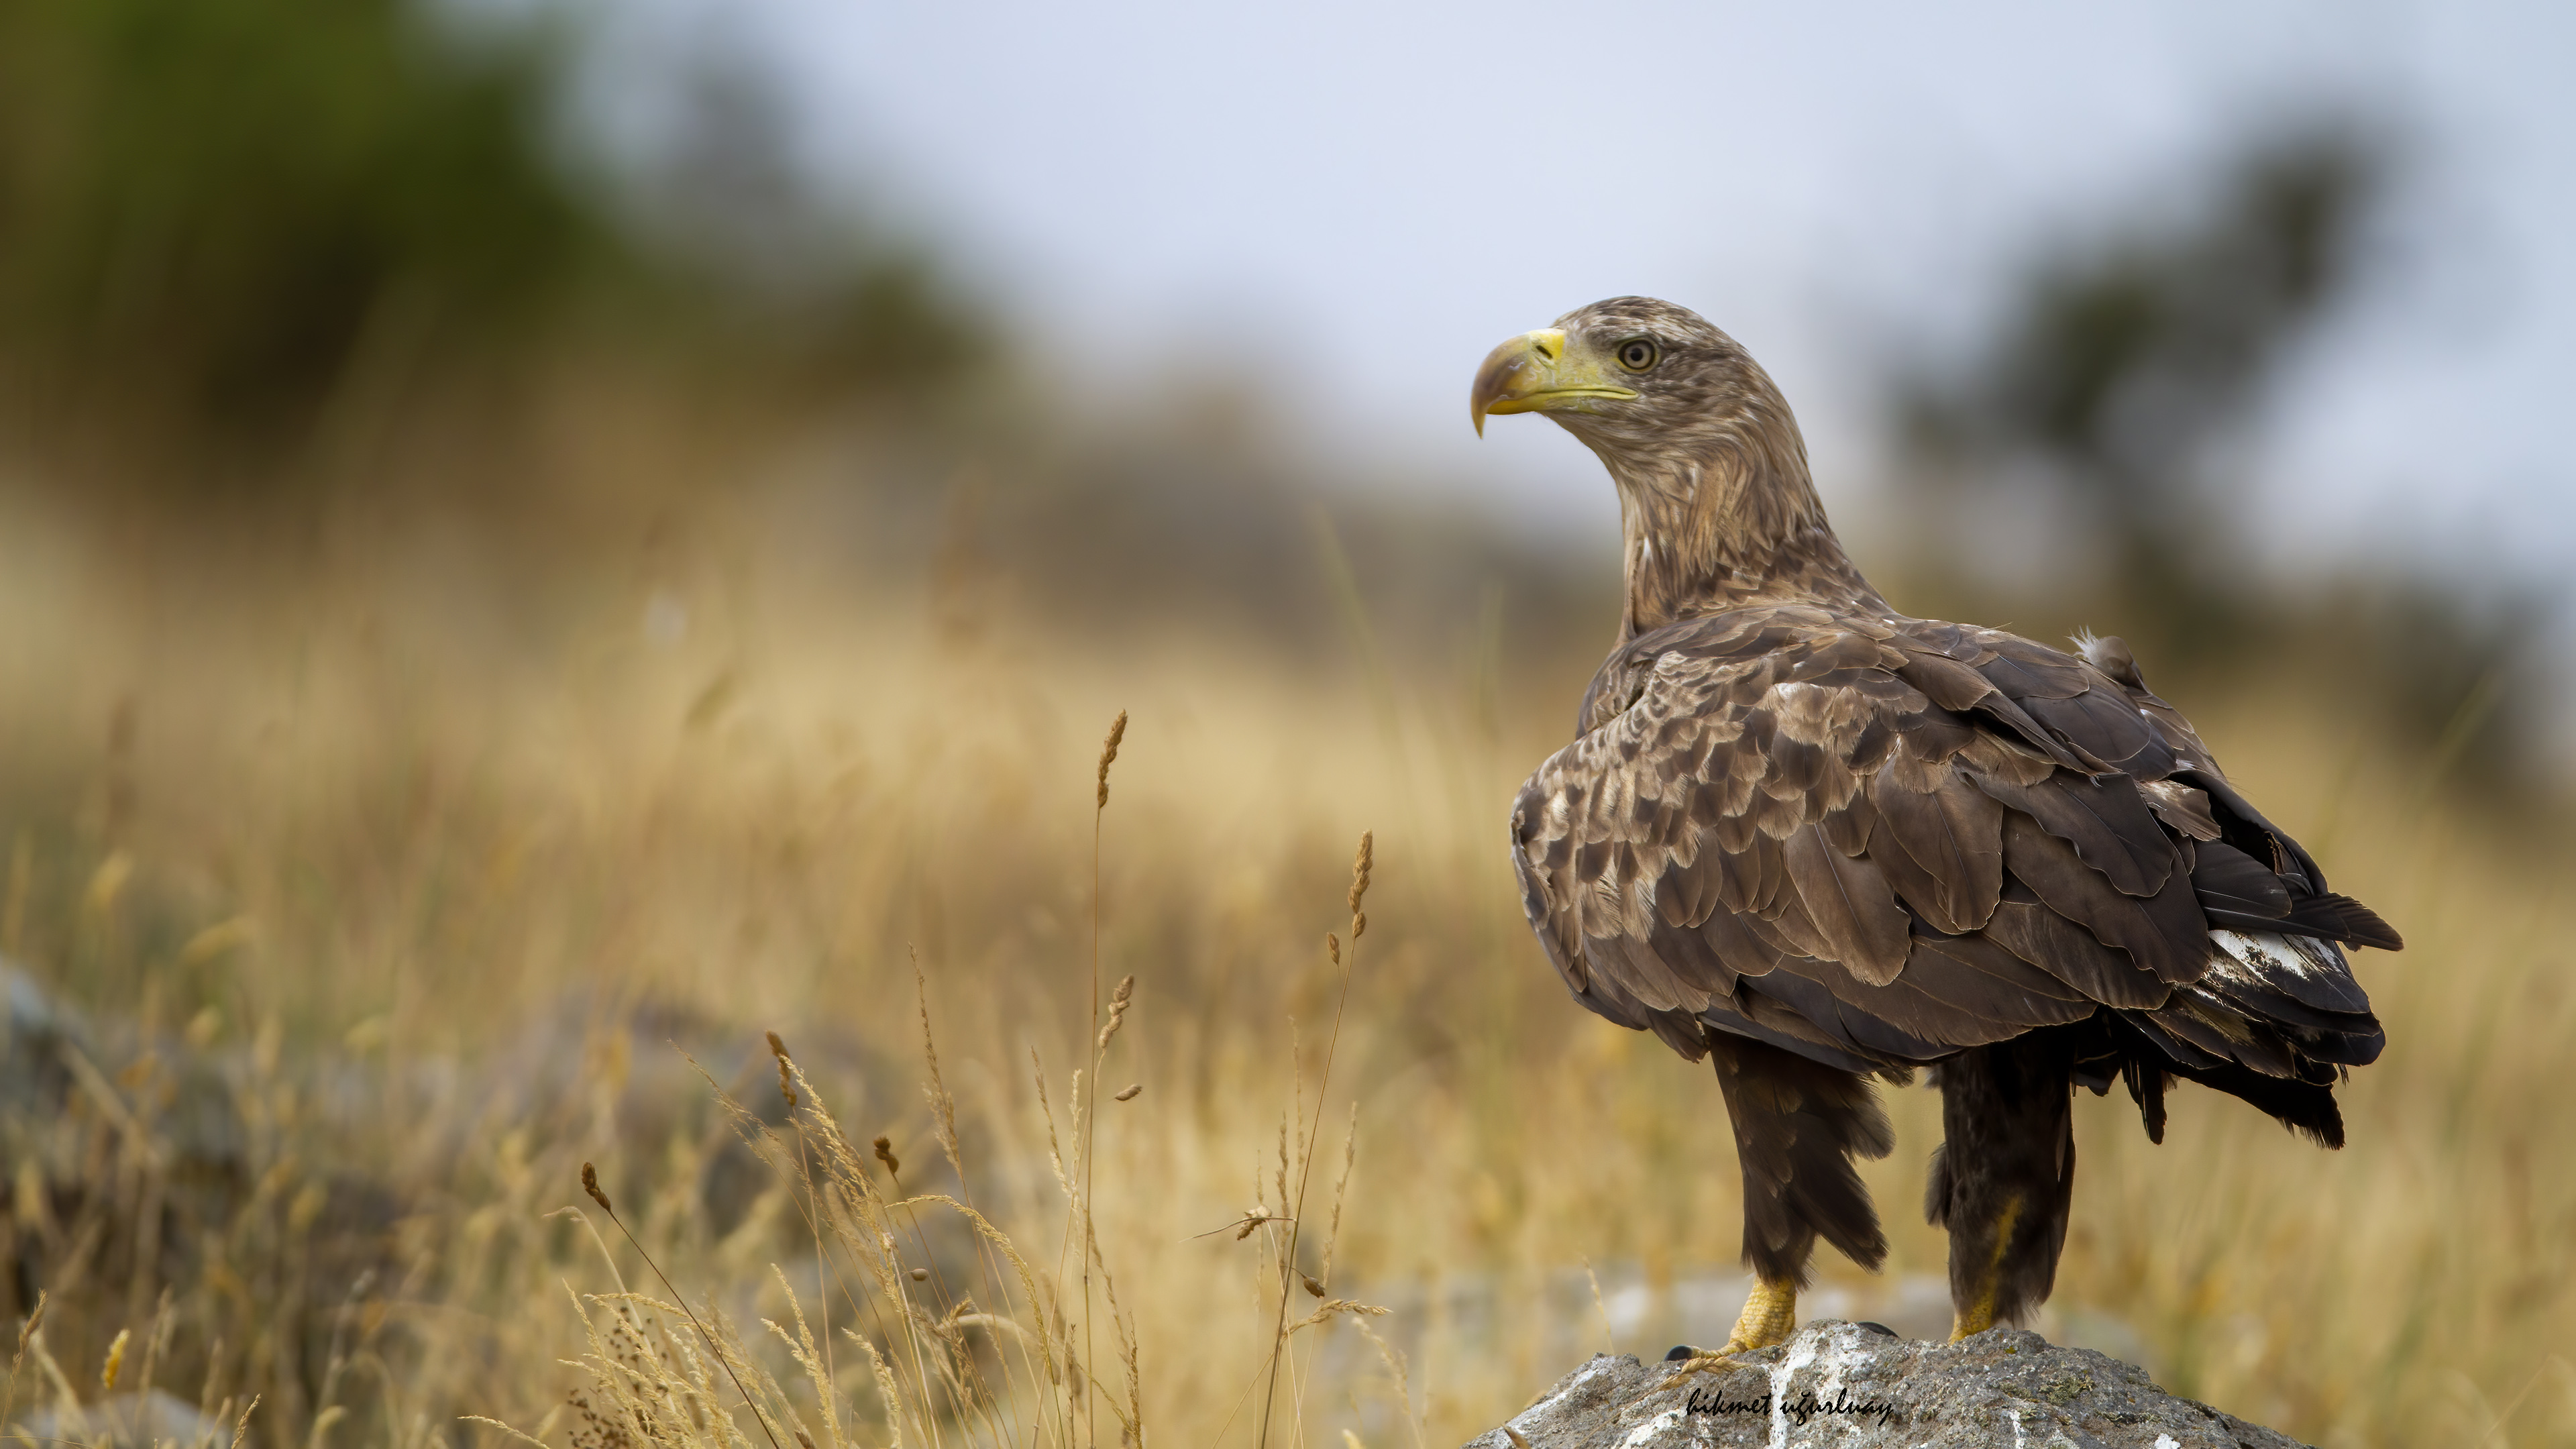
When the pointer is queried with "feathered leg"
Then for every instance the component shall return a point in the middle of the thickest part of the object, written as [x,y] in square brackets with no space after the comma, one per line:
[2004,1179]
[1798,1125]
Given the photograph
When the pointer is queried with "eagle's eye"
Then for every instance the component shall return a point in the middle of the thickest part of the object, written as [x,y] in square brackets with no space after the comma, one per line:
[1637,354]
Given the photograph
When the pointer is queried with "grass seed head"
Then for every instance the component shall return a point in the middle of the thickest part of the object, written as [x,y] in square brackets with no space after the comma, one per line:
[35,1320]
[590,1184]
[115,1359]
[1360,865]
[885,1154]
[1109,756]
[1128,1092]
[1118,1003]
[786,1082]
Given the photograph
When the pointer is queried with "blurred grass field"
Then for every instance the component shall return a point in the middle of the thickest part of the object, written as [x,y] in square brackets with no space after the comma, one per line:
[392,894]
[493,622]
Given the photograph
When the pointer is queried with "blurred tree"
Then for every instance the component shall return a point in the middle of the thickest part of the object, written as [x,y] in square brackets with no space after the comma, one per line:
[2121,371]
[724,199]
[208,208]
[209,201]
[2118,378]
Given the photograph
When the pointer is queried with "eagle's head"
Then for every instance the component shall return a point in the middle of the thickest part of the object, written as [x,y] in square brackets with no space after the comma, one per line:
[1629,374]
[1711,470]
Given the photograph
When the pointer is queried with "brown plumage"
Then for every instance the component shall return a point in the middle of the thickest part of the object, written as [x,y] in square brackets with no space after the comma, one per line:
[1824,840]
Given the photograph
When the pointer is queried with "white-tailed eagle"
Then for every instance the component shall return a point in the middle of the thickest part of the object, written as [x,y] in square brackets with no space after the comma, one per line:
[1821,841]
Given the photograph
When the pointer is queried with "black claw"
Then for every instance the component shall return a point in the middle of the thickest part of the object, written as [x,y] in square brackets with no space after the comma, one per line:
[1680,1351]
[1877,1328]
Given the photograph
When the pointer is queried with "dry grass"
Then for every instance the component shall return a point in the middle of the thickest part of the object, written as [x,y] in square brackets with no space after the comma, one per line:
[386,922]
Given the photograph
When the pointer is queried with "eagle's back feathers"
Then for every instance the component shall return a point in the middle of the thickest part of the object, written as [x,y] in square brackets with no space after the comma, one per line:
[1874,841]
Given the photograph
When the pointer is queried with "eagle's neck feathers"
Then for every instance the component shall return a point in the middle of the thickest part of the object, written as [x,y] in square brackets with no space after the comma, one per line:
[1724,517]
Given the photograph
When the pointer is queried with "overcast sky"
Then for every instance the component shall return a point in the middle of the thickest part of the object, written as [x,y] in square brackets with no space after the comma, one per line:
[1358,200]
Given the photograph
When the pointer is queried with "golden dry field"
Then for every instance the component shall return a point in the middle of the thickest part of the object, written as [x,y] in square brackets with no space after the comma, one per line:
[390,900]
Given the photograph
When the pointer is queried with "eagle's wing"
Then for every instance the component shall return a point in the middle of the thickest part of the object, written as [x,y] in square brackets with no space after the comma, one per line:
[1879,841]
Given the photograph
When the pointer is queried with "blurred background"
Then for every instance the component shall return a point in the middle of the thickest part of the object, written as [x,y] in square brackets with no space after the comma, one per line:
[535,532]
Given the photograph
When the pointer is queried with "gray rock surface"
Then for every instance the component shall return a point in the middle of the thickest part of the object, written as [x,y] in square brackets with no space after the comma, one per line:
[145,1419]
[1845,1386]
[34,1029]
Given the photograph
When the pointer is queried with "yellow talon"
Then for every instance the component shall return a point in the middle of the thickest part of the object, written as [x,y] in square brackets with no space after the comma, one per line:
[1769,1315]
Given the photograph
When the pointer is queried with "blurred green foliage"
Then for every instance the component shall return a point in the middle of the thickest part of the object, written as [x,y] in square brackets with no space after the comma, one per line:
[2125,363]
[2121,367]
[209,208]
[210,201]
[2119,376]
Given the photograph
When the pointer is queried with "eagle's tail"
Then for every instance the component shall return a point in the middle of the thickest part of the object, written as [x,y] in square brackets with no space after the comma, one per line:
[2276,1021]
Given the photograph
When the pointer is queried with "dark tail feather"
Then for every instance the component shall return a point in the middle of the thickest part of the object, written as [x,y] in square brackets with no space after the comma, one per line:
[2307,1108]
[2147,1082]
[2341,918]
[2327,917]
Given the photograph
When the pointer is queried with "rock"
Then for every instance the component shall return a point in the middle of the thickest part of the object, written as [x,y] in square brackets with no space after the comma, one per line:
[1853,1386]
[34,1029]
[146,1418]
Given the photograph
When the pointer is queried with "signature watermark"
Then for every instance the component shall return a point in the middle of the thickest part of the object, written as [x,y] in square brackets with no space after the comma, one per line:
[1802,1407]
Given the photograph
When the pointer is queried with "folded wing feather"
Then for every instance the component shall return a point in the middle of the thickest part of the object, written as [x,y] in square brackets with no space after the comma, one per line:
[1878,841]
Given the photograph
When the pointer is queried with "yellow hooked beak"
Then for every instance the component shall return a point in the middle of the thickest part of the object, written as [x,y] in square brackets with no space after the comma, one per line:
[1532,373]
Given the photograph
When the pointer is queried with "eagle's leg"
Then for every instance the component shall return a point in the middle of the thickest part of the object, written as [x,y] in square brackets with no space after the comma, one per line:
[2004,1178]
[1798,1124]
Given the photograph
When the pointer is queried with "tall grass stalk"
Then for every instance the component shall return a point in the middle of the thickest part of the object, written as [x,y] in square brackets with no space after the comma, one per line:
[1098,1036]
[1288,1270]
